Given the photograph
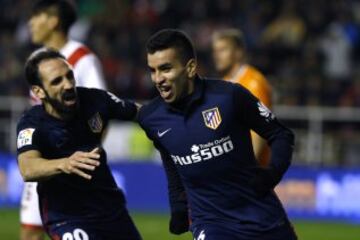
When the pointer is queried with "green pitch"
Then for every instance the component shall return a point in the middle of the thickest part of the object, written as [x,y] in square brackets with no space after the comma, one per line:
[154,227]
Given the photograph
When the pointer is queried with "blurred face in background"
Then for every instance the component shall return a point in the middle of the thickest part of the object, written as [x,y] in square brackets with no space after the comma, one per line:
[225,55]
[41,26]
[172,77]
[58,86]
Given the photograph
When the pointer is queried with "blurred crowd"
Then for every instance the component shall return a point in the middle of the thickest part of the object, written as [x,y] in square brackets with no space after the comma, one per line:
[309,50]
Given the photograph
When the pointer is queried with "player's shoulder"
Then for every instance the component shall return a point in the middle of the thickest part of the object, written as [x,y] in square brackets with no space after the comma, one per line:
[91,94]
[31,117]
[217,86]
[150,109]
[74,49]
[254,74]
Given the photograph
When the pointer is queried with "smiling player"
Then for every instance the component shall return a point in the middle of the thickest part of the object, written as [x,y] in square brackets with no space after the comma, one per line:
[202,130]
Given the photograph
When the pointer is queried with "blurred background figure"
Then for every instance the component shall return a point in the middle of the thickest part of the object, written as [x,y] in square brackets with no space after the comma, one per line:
[229,53]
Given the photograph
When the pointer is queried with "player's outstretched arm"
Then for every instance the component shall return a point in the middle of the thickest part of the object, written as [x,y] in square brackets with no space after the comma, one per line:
[35,168]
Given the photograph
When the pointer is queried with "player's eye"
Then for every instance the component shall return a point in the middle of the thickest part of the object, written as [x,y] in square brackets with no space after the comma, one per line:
[56,81]
[165,68]
[152,70]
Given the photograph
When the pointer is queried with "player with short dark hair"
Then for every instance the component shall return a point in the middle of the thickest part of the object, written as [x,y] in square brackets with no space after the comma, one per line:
[59,146]
[202,130]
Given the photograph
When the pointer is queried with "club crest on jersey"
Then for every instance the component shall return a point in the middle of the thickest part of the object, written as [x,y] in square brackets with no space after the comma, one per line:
[212,118]
[96,123]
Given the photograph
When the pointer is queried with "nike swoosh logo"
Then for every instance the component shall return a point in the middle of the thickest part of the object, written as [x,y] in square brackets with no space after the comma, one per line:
[160,134]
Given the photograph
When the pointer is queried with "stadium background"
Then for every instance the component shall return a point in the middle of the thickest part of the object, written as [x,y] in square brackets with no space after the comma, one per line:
[309,50]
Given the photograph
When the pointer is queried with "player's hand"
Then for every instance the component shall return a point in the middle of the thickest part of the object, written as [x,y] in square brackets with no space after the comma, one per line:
[80,161]
[179,222]
[265,179]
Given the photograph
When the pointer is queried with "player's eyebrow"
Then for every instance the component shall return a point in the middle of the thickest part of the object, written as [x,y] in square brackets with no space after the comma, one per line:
[56,80]
[165,66]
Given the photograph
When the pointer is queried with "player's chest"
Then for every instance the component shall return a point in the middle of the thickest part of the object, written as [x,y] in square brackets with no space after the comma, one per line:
[204,135]
[74,135]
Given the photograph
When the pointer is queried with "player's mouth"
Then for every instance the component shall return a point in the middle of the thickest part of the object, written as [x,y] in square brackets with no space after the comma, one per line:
[165,92]
[69,98]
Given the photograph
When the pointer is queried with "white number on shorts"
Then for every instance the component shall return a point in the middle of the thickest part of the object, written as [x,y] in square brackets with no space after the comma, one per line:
[201,235]
[78,234]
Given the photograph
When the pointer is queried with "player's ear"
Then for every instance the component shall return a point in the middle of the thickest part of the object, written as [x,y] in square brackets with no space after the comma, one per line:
[38,91]
[191,68]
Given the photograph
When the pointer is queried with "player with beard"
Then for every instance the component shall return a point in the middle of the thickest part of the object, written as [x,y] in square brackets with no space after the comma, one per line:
[59,146]
[49,24]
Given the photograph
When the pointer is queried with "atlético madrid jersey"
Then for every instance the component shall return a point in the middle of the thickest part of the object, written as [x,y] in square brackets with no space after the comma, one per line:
[207,153]
[70,197]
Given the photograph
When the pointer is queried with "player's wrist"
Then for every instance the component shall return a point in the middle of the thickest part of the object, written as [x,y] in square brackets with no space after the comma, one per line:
[61,165]
[179,222]
[264,180]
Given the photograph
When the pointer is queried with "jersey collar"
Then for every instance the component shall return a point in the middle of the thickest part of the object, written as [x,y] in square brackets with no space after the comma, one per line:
[185,105]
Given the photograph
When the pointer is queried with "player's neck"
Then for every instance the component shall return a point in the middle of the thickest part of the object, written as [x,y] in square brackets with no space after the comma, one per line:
[234,70]
[56,114]
[57,40]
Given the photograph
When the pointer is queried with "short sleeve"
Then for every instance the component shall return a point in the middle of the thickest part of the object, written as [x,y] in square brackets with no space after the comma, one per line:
[253,113]
[27,137]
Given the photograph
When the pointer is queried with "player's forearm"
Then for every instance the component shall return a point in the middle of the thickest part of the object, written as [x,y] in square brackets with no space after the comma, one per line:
[41,169]
[282,146]
[258,144]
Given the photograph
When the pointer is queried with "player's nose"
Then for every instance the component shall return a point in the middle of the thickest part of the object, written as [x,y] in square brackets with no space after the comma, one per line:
[158,78]
[69,84]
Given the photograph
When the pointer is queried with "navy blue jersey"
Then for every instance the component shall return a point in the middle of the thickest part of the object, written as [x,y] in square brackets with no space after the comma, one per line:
[70,197]
[207,153]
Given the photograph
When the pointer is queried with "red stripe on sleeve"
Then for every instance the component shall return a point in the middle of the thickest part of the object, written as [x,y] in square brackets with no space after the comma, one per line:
[78,54]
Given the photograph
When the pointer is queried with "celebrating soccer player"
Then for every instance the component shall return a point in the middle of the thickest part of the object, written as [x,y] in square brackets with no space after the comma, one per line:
[49,25]
[202,130]
[59,146]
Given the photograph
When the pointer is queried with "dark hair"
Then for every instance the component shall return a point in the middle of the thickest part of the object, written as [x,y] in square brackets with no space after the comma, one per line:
[32,64]
[64,9]
[172,38]
[232,34]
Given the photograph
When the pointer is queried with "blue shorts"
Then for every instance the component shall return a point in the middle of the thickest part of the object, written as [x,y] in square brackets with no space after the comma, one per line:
[211,231]
[115,229]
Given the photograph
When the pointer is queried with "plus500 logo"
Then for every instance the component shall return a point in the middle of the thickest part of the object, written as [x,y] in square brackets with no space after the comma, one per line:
[203,154]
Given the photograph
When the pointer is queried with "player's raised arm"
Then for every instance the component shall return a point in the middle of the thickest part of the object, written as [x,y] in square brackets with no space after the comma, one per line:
[281,139]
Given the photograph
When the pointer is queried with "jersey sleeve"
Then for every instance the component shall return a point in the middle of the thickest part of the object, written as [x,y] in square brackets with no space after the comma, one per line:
[88,72]
[254,114]
[120,109]
[176,190]
[28,137]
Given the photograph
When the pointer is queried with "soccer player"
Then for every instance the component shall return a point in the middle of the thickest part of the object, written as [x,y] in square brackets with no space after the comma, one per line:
[202,130]
[49,24]
[229,54]
[59,146]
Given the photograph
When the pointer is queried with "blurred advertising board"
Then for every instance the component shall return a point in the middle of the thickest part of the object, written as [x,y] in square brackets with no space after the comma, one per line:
[307,193]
